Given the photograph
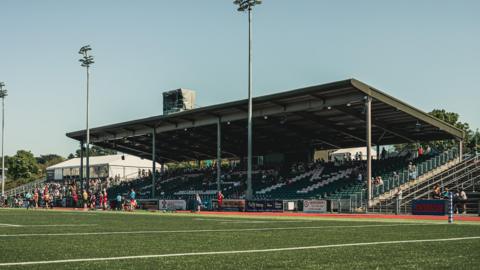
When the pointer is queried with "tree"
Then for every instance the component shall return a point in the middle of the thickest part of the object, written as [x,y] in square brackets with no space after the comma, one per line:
[22,165]
[46,161]
[97,151]
[452,119]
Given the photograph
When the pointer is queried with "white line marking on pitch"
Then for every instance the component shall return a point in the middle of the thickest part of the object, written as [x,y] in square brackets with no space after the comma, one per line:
[242,251]
[47,225]
[59,225]
[263,221]
[9,225]
[208,230]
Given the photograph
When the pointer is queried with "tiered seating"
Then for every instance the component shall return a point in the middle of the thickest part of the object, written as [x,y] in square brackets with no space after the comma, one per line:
[309,184]
[326,180]
[314,173]
[386,168]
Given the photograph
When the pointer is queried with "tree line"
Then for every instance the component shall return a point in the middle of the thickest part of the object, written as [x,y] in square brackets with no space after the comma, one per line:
[24,167]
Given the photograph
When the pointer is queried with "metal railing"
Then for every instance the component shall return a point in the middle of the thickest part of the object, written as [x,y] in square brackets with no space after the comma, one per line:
[404,176]
[465,175]
[26,187]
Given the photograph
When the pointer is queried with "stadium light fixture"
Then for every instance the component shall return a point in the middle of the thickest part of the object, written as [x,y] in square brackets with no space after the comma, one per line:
[86,61]
[247,5]
[3,94]
[418,126]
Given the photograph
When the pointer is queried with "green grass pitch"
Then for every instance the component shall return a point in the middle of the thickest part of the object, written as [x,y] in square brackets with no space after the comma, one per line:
[107,240]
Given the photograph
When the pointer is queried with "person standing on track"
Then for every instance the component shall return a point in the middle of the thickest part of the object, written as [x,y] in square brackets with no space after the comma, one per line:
[85,199]
[46,197]
[133,202]
[28,198]
[220,200]
[198,203]
[73,191]
[104,201]
[93,200]
[35,198]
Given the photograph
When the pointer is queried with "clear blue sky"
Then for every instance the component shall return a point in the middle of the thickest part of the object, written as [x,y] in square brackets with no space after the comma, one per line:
[426,53]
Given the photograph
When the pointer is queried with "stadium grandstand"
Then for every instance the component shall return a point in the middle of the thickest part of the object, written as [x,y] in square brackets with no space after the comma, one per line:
[289,128]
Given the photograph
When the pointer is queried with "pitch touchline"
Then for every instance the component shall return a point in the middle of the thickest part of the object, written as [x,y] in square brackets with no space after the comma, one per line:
[9,225]
[47,225]
[207,230]
[240,251]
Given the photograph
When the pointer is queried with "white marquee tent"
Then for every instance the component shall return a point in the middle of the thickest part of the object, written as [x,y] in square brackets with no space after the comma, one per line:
[123,166]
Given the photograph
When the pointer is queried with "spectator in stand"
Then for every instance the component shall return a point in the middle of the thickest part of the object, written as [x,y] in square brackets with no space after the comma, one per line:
[360,178]
[420,151]
[436,194]
[428,151]
[380,181]
[446,194]
[384,153]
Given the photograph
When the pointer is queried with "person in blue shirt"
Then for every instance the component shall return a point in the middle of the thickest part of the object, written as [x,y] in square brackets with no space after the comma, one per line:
[119,202]
[28,199]
[133,202]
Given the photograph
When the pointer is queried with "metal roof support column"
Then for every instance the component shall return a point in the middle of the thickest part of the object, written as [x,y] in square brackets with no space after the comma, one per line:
[460,150]
[368,108]
[219,153]
[153,162]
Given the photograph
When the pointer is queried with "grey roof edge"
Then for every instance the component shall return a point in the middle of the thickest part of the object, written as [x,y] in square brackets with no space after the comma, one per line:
[264,98]
[394,102]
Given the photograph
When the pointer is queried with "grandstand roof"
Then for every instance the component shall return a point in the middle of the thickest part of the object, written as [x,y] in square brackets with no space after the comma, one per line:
[328,116]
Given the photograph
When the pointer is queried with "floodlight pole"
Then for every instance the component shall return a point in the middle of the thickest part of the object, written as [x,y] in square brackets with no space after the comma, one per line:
[219,153]
[86,61]
[87,147]
[248,5]
[3,94]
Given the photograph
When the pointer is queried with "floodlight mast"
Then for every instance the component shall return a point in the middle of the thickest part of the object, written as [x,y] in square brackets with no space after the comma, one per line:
[247,5]
[86,61]
[3,94]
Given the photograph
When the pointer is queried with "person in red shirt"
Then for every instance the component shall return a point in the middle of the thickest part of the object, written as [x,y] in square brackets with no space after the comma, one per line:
[105,200]
[220,200]
[420,151]
[46,196]
[35,198]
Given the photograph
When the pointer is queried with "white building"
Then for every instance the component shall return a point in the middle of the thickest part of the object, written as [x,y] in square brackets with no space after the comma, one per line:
[124,166]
